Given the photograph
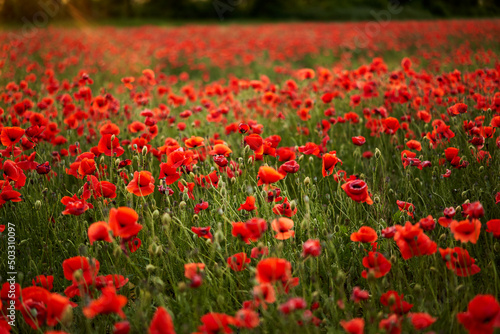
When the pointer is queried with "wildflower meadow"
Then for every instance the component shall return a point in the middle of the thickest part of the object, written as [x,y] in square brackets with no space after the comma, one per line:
[251,178]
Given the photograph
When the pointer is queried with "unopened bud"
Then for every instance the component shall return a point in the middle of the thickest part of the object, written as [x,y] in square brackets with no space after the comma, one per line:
[38,205]
[166,219]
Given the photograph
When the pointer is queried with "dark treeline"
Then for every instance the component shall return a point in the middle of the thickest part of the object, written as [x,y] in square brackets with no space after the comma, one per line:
[101,10]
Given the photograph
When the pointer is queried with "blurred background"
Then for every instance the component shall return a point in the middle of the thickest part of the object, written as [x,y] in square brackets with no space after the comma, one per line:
[13,11]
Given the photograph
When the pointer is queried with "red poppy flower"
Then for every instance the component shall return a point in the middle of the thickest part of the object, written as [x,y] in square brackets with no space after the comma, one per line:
[142,184]
[221,149]
[200,206]
[285,209]
[330,160]
[357,190]
[123,222]
[122,327]
[203,232]
[11,135]
[45,282]
[390,125]
[194,142]
[289,167]
[359,140]
[377,264]
[75,206]
[472,210]
[405,207]
[110,146]
[482,315]
[108,303]
[359,295]
[412,241]
[395,302]
[354,326]
[466,230]
[283,228]
[259,252]
[238,261]
[268,175]
[161,323]
[421,320]
[99,231]
[458,260]
[389,232]
[365,234]
[216,323]
[249,204]
[246,318]
[311,247]
[292,304]
[273,269]
[494,227]
[87,167]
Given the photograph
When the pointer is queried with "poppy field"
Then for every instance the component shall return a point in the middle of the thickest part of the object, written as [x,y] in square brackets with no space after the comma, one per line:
[270,178]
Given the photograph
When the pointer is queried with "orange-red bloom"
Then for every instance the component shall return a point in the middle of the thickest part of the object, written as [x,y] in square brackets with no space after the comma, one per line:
[283,228]
[268,175]
[466,230]
[123,222]
[142,184]
[365,234]
[357,190]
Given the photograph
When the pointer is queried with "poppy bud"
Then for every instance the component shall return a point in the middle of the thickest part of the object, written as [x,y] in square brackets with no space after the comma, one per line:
[185,196]
[136,159]
[371,277]
[78,275]
[117,162]
[156,214]
[340,277]
[417,288]
[166,219]
[496,246]
[293,205]
[182,204]
[38,205]
[442,236]
[233,180]
[376,199]
[150,268]
[117,251]
[301,158]
[249,161]
[307,181]
[306,199]
[458,209]
[433,269]
[182,286]
[144,150]
[311,159]
[196,217]
[393,259]
[246,149]
[377,153]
